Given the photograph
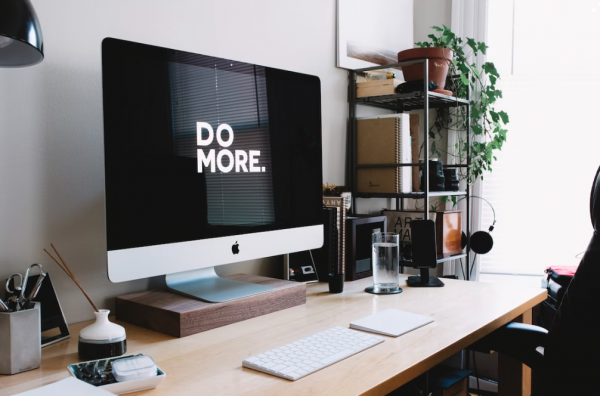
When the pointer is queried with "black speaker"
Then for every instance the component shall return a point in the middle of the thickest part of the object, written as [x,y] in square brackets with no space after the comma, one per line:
[451,180]
[437,181]
[327,256]
[424,250]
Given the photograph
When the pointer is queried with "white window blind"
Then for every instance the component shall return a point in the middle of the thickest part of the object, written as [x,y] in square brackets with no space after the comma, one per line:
[216,91]
[540,186]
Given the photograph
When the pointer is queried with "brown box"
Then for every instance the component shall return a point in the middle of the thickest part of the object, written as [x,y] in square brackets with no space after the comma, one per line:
[458,389]
[377,87]
[180,316]
[448,235]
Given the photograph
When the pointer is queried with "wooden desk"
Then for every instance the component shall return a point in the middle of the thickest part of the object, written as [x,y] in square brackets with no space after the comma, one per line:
[210,363]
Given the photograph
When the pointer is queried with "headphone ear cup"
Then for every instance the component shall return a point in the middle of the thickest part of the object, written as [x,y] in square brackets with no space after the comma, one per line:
[481,242]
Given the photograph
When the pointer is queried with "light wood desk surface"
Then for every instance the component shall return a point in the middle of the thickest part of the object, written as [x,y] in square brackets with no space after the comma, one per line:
[210,363]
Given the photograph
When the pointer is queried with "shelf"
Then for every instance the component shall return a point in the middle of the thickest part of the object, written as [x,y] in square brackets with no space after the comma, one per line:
[419,164]
[414,195]
[411,101]
[404,263]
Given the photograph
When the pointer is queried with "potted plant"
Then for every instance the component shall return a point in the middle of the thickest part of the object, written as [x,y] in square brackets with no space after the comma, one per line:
[488,132]
[439,61]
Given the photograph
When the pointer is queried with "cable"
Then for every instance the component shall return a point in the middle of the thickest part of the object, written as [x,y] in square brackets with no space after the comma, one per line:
[472,265]
[462,269]
[488,202]
[476,373]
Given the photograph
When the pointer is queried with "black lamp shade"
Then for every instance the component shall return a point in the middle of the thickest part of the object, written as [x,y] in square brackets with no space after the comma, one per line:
[21,42]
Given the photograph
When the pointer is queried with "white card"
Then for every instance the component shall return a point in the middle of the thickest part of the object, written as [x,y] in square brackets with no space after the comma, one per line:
[391,322]
[68,387]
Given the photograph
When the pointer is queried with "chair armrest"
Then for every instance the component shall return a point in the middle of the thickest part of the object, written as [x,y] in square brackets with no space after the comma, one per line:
[517,340]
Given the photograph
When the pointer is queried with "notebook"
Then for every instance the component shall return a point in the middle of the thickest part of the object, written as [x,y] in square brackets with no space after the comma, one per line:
[384,140]
[391,322]
[68,387]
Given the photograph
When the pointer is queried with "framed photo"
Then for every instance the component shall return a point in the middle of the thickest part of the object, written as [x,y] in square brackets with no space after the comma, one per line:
[371,33]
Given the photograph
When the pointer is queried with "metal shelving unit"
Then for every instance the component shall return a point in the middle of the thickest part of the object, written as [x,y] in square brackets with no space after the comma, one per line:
[400,103]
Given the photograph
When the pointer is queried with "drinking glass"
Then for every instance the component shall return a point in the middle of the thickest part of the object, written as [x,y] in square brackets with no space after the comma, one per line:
[386,265]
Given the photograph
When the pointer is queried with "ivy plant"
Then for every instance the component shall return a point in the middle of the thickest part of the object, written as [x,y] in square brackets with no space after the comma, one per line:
[488,125]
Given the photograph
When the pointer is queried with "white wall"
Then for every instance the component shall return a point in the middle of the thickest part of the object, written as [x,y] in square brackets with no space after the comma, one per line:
[51,159]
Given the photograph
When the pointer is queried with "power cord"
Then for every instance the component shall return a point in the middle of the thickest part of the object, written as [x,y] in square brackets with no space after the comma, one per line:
[472,265]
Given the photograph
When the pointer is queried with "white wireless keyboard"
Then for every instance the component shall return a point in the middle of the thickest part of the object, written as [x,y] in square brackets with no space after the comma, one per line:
[305,356]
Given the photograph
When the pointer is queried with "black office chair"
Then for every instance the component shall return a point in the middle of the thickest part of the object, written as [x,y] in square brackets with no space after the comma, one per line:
[570,361]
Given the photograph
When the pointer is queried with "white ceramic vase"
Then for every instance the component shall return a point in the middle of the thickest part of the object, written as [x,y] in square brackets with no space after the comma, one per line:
[102,339]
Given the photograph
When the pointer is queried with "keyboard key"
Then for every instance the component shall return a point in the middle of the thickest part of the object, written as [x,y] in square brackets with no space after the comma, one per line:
[288,370]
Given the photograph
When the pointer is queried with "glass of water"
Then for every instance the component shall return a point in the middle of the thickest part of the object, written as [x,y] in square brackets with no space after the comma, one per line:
[386,265]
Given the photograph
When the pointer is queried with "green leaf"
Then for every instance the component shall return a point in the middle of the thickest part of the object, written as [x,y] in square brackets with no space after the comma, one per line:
[464,79]
[437,28]
[471,43]
[493,80]
[433,37]
[503,115]
[489,68]
[482,47]
[477,129]
[494,116]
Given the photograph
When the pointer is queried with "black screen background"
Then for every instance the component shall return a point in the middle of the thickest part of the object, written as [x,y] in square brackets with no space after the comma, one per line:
[155,195]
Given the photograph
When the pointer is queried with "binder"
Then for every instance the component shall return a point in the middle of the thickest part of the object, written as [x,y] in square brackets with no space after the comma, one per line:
[384,140]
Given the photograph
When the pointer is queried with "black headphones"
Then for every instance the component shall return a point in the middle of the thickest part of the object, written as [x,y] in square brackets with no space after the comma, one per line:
[481,241]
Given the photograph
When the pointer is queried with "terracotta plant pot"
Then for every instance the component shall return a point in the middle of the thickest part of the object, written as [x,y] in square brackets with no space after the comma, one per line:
[439,59]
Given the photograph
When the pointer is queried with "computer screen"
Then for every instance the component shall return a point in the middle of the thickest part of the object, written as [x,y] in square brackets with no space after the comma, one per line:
[199,148]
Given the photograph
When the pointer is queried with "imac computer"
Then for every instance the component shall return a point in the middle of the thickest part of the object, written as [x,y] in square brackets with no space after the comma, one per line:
[208,161]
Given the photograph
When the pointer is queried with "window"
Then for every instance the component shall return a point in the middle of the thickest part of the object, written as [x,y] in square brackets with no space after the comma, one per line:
[546,52]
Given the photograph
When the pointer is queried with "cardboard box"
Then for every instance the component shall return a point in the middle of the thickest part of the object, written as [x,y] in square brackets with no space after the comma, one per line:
[448,227]
[377,87]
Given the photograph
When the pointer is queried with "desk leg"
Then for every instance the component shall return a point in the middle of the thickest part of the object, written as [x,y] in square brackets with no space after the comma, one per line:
[514,378]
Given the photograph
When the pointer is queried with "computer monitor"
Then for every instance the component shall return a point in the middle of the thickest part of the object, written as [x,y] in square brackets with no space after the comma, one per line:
[208,161]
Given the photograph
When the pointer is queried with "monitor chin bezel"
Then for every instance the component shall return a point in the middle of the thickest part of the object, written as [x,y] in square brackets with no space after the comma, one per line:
[144,262]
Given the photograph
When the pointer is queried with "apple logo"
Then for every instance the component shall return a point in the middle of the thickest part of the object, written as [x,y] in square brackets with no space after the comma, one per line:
[235,248]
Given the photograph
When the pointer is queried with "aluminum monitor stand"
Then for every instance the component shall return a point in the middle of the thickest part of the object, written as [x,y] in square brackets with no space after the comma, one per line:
[206,285]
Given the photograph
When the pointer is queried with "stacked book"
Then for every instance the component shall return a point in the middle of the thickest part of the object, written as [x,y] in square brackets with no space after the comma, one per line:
[384,140]
[340,204]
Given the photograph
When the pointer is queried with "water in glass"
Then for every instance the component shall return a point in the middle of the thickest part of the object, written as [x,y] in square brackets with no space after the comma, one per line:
[386,266]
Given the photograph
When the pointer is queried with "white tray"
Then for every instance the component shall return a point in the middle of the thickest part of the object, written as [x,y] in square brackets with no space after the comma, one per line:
[120,388]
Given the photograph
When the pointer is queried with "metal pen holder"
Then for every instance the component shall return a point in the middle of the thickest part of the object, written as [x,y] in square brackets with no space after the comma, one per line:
[20,340]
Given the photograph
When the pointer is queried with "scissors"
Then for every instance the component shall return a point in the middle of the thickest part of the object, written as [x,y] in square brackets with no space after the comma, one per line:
[36,288]
[12,291]
[14,294]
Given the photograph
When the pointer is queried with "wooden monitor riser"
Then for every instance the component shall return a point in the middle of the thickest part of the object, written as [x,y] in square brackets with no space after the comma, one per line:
[180,316]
